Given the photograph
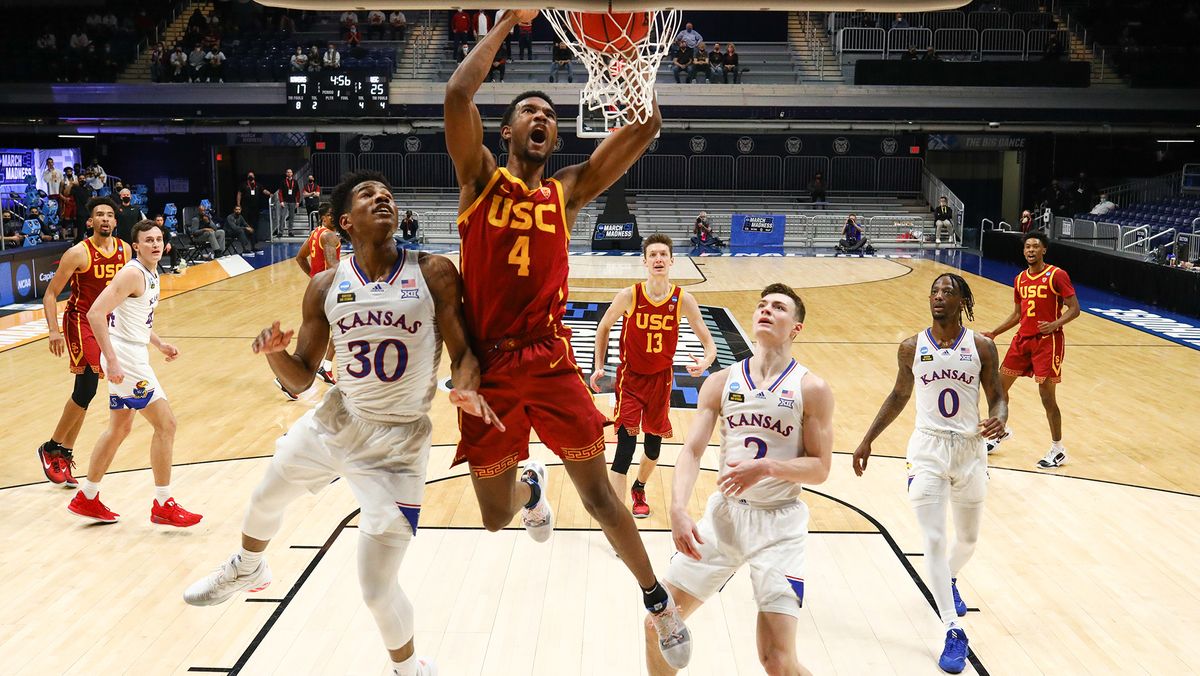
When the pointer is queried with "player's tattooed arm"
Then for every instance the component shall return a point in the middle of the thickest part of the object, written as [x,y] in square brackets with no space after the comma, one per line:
[892,405]
[687,466]
[296,371]
[989,378]
[619,306]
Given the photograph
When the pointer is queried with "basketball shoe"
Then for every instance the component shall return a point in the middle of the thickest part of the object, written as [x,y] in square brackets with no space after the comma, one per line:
[993,443]
[960,608]
[326,376]
[48,454]
[226,581]
[538,521]
[66,463]
[674,639]
[170,513]
[954,655]
[425,667]
[1055,457]
[92,509]
[290,396]
[641,508]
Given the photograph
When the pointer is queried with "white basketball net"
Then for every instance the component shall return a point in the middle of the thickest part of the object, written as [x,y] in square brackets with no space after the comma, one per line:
[620,84]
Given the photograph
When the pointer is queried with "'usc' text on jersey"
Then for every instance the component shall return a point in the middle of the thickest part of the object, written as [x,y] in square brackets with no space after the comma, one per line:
[650,331]
[1040,297]
[87,283]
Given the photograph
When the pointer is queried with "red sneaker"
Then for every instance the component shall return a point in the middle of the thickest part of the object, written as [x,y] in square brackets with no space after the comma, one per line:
[92,509]
[171,514]
[326,376]
[66,463]
[51,464]
[641,508]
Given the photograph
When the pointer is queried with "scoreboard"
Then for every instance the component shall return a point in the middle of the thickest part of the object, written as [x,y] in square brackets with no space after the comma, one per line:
[348,94]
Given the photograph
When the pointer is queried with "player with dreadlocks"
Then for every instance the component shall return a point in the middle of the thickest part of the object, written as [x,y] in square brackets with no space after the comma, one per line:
[946,458]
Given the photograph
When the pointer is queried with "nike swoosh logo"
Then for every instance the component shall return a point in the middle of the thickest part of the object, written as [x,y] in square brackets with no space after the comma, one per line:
[641,307]
[556,361]
[45,464]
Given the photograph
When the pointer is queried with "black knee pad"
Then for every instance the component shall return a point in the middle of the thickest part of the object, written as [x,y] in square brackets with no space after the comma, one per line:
[651,446]
[85,388]
[626,443]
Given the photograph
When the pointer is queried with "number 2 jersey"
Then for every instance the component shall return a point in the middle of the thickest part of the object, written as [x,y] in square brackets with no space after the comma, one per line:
[1040,297]
[385,339]
[763,420]
[947,384]
[514,259]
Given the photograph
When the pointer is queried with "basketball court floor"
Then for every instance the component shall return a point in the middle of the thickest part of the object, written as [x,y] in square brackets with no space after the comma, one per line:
[1088,569]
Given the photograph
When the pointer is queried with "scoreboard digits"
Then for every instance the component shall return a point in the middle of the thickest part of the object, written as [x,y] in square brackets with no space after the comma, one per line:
[337,94]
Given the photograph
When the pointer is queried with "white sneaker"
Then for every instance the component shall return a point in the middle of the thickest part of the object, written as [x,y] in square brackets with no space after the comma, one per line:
[993,443]
[1055,457]
[425,667]
[539,521]
[224,582]
[674,639]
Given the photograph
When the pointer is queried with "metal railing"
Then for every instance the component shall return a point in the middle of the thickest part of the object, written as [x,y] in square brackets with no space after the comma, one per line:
[899,40]
[956,40]
[1037,39]
[1145,190]
[1144,246]
[861,41]
[985,20]
[1189,179]
[1002,41]
[1128,235]
[932,188]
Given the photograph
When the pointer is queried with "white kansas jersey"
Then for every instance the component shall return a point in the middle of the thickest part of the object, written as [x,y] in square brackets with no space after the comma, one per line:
[385,339]
[133,319]
[947,382]
[763,420]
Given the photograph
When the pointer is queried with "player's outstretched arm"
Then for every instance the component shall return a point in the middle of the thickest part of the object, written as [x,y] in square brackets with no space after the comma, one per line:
[691,310]
[892,406]
[609,161]
[619,306]
[687,466]
[330,244]
[74,259]
[127,282]
[302,257]
[296,371]
[1012,320]
[989,378]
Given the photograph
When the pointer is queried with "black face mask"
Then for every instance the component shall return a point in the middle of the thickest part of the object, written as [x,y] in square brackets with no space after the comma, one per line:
[124,200]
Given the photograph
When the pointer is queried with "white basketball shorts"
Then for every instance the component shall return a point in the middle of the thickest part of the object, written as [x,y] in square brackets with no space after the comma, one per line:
[946,462]
[140,387]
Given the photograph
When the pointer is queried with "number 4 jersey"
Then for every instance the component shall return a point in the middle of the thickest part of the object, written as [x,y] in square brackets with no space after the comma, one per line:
[385,339]
[947,383]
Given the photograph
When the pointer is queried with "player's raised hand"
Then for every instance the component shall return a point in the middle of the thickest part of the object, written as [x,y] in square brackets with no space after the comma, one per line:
[989,334]
[57,344]
[992,428]
[114,372]
[594,381]
[861,455]
[696,370]
[524,15]
[272,339]
[169,351]
[686,535]
[473,403]
[743,475]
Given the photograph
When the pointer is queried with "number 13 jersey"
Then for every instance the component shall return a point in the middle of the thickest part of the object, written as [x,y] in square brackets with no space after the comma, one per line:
[763,420]
[947,383]
[385,339]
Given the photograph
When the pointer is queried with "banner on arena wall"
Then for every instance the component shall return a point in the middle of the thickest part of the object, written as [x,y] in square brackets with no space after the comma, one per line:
[26,272]
[975,142]
[613,231]
[757,230]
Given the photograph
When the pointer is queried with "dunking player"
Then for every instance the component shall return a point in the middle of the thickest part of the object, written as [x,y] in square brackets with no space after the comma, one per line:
[649,335]
[1039,293]
[122,320]
[776,434]
[320,252]
[946,458]
[89,266]
[389,311]
[515,228]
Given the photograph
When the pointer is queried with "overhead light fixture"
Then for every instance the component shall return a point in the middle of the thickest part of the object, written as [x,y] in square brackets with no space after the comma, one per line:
[1176,140]
[77,136]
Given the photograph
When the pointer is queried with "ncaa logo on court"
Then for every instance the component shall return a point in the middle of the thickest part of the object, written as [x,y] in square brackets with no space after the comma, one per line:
[698,144]
[412,144]
[793,145]
[841,145]
[889,146]
[366,144]
[745,145]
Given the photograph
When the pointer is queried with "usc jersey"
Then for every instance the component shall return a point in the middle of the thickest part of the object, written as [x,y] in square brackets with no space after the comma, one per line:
[1040,297]
[650,331]
[514,258]
[86,284]
[316,255]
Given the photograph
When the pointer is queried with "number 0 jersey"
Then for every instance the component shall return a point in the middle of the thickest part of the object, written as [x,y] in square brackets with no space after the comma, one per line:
[947,384]
[514,258]
[385,339]
[763,420]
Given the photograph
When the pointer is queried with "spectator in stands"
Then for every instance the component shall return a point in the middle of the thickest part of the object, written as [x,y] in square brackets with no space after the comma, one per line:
[286,25]
[79,41]
[689,36]
[398,24]
[299,60]
[681,60]
[853,240]
[237,227]
[729,65]
[48,231]
[332,60]
[179,62]
[314,59]
[899,21]
[48,42]
[1026,221]
[700,65]
[910,55]
[376,24]
[931,54]
[216,64]
[816,190]
[460,29]
[481,24]
[1104,207]
[128,216]
[66,211]
[289,198]
[312,194]
[169,261]
[1084,192]
[12,229]
[252,198]
[203,230]
[196,64]
[511,32]
[716,61]
[408,228]
[197,20]
[461,51]
[560,59]
[499,61]
[81,192]
[1053,51]
[349,18]
[353,38]
[525,40]
[96,176]
[702,234]
[158,64]
[53,178]
[943,220]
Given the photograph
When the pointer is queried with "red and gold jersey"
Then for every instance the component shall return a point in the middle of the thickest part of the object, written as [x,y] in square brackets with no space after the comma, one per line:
[316,255]
[88,282]
[1040,297]
[650,331]
[514,258]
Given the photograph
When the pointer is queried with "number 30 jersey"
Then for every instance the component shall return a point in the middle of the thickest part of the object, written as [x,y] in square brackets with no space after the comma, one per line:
[947,384]
[385,340]
[763,420]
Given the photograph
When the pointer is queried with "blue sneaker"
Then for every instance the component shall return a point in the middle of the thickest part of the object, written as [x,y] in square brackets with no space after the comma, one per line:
[954,656]
[959,607]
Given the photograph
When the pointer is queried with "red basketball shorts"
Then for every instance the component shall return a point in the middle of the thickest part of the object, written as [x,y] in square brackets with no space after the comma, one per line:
[1039,356]
[644,401]
[83,351]
[537,387]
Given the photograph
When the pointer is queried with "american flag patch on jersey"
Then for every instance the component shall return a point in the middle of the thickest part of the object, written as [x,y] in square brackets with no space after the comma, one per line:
[408,284]
[785,394]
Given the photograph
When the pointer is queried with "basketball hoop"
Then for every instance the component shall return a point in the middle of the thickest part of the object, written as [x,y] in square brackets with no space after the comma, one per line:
[622,52]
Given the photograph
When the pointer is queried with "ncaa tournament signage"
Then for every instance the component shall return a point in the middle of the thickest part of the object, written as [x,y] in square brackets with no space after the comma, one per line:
[613,231]
[757,230]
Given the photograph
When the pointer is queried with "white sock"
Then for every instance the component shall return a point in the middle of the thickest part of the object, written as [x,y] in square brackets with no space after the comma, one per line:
[406,668]
[248,561]
[953,624]
[327,365]
[162,494]
[89,489]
